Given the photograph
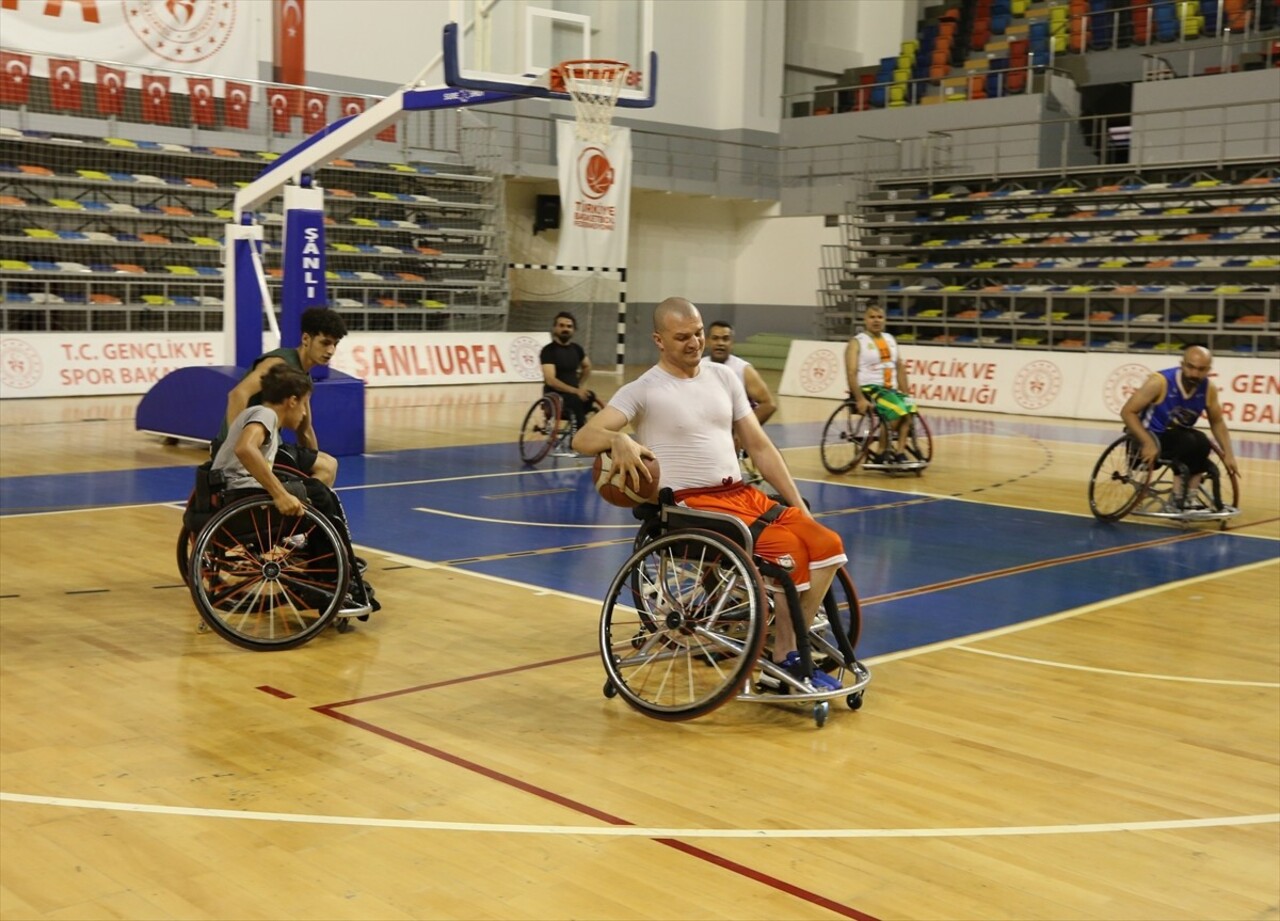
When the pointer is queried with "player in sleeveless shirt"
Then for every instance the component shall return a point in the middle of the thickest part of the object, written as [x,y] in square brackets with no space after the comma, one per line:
[1162,413]
[878,378]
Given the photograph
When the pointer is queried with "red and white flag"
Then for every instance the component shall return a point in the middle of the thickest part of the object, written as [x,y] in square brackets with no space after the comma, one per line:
[350,105]
[15,78]
[235,104]
[109,91]
[315,112]
[200,97]
[64,83]
[155,100]
[284,105]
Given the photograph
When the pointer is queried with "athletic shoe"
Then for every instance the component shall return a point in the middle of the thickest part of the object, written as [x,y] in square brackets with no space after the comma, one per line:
[900,458]
[821,681]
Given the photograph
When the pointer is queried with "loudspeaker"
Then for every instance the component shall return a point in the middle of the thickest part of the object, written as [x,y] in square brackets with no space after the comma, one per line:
[546,213]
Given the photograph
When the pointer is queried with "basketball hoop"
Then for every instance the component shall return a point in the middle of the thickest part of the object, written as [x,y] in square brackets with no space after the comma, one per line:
[594,86]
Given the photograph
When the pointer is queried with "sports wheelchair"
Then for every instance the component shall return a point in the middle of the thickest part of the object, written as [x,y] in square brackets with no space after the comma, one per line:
[547,428]
[263,580]
[1124,484]
[850,438]
[687,623]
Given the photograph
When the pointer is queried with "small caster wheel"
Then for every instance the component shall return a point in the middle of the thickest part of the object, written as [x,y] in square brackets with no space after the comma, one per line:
[343,624]
[854,701]
[201,626]
[363,618]
[610,689]
[820,712]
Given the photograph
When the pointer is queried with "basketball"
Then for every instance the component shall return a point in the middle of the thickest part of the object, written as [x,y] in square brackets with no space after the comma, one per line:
[615,491]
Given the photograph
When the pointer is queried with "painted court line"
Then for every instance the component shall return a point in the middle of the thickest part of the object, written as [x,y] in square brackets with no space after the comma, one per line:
[1120,672]
[636,831]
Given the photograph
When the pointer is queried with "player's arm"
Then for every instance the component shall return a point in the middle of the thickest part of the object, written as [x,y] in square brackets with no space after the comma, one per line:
[768,460]
[758,392]
[240,395]
[904,387]
[584,371]
[604,432]
[1218,425]
[248,451]
[305,432]
[851,353]
[1150,392]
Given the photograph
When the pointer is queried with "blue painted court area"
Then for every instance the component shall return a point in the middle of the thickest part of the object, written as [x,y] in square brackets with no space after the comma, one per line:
[928,568]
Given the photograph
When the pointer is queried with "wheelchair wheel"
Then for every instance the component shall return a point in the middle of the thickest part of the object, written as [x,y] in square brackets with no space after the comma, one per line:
[847,438]
[540,429]
[1228,484]
[683,625]
[266,581]
[184,554]
[920,439]
[1120,479]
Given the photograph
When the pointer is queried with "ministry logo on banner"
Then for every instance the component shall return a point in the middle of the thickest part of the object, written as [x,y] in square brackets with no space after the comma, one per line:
[595,199]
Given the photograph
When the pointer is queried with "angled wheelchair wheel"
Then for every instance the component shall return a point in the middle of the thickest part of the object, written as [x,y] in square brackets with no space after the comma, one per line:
[267,581]
[1226,492]
[185,538]
[683,624]
[920,439]
[540,429]
[1120,479]
[847,438]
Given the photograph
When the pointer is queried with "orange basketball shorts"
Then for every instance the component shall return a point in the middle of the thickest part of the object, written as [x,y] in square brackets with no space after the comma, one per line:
[793,540]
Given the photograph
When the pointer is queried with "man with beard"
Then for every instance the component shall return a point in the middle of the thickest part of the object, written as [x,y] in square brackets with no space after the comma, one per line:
[565,368]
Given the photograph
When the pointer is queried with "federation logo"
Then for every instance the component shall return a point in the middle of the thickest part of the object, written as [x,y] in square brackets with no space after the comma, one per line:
[819,371]
[182,30]
[1037,385]
[595,173]
[525,354]
[1121,384]
[20,365]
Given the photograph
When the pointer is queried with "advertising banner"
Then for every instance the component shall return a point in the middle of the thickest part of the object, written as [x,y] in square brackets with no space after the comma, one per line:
[595,199]
[406,359]
[1087,385]
[210,36]
[83,364]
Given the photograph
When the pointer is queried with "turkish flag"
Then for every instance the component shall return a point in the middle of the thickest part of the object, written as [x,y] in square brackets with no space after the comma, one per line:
[110,90]
[387,134]
[200,96]
[350,105]
[235,105]
[15,77]
[64,83]
[155,100]
[315,112]
[284,105]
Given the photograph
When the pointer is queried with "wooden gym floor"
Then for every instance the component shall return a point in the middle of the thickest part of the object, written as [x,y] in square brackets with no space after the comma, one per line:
[1067,720]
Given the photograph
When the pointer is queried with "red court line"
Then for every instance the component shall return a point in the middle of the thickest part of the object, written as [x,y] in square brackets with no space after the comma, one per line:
[582,808]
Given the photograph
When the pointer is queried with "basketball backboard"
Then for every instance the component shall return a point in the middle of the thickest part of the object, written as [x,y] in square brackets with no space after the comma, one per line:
[511,45]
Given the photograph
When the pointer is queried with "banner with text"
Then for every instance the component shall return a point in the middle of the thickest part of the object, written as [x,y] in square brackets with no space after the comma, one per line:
[92,364]
[409,359]
[209,36]
[1091,385]
[595,199]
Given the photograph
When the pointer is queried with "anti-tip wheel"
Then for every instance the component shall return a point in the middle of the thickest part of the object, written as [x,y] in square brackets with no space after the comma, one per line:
[610,689]
[854,701]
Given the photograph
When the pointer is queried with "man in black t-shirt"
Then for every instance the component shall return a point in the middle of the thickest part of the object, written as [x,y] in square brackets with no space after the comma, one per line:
[565,368]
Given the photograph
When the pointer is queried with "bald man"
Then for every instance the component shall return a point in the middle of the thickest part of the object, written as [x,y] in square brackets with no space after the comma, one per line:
[686,413]
[1162,413]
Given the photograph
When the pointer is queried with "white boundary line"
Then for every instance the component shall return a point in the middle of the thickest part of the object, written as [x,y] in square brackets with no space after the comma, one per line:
[636,831]
[1120,673]
[525,524]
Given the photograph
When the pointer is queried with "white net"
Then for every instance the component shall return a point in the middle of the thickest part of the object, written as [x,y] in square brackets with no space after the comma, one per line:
[594,86]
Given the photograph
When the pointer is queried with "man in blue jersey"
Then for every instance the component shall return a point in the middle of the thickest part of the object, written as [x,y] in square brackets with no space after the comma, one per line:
[1162,413]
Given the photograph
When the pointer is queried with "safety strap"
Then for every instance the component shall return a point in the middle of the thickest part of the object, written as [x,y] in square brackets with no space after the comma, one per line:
[768,518]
